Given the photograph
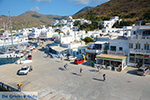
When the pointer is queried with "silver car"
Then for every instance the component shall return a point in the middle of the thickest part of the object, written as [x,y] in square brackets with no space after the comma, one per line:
[142,70]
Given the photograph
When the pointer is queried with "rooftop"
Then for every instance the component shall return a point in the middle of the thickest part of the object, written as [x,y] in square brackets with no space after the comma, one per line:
[58,48]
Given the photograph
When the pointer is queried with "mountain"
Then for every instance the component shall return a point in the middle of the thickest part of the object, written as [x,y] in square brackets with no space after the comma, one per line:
[29,19]
[83,9]
[128,10]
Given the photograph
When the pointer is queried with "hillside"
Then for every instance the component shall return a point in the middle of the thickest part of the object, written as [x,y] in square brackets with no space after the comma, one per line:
[128,10]
[83,9]
[29,19]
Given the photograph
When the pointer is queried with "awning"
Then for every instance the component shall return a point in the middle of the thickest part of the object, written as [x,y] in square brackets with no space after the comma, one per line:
[111,57]
[58,48]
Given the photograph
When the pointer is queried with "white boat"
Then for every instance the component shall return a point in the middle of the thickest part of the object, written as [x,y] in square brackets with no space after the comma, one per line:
[11,55]
[25,61]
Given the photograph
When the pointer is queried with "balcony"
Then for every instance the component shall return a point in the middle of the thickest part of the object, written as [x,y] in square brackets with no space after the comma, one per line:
[140,51]
[93,51]
[117,53]
[140,37]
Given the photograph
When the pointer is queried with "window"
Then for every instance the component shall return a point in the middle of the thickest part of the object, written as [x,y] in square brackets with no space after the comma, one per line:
[131,60]
[130,45]
[146,47]
[147,61]
[113,48]
[120,49]
[138,46]
[146,33]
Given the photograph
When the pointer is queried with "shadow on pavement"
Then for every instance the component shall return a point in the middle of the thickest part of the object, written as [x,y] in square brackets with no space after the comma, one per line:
[133,72]
[93,70]
[86,63]
[97,79]
[72,63]
[75,74]
[60,68]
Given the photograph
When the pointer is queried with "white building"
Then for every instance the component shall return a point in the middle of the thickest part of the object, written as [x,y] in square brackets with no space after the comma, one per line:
[139,45]
[110,23]
[96,48]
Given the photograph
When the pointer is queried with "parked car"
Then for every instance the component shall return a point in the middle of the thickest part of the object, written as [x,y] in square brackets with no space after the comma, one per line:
[29,57]
[78,61]
[142,70]
[71,58]
[24,70]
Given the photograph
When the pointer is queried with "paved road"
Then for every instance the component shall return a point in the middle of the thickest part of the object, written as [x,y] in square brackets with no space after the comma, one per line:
[53,83]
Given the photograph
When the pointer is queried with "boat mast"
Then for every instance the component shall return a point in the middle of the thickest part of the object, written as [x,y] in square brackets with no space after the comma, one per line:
[11,31]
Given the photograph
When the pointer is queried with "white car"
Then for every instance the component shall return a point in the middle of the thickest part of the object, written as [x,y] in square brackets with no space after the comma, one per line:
[24,70]
[71,58]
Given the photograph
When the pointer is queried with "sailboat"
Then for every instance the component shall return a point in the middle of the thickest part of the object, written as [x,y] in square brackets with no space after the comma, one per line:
[11,53]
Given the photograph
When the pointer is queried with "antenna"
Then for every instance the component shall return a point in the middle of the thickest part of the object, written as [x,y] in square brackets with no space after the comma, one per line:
[11,31]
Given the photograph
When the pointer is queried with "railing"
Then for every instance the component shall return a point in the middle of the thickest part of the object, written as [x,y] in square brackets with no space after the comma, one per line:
[140,37]
[93,51]
[117,53]
[140,51]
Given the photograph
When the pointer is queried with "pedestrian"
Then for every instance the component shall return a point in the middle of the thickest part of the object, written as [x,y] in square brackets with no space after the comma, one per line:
[104,77]
[61,59]
[19,87]
[67,66]
[81,71]
[98,68]
[31,68]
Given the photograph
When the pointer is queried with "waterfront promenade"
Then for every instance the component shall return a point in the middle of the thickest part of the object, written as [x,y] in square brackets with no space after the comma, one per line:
[53,83]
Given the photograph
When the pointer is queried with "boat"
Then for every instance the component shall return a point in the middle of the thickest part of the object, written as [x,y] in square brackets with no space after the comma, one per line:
[11,55]
[25,61]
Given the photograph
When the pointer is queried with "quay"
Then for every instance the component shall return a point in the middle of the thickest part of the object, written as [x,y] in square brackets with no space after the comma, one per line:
[53,83]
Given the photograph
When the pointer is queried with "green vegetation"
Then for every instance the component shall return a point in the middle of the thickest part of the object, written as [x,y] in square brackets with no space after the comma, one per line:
[77,23]
[123,23]
[129,10]
[59,31]
[88,40]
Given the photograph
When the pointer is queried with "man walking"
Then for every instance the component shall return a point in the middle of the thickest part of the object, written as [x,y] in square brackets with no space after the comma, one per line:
[104,77]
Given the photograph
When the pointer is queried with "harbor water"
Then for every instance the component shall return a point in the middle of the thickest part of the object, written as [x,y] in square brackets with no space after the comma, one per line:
[4,61]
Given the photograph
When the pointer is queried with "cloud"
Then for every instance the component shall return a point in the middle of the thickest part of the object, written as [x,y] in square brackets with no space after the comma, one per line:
[42,0]
[36,8]
[85,2]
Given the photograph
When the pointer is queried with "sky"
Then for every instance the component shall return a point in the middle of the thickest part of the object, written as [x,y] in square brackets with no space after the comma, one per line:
[47,7]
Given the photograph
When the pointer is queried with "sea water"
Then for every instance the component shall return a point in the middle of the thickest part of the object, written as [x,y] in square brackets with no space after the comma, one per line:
[11,60]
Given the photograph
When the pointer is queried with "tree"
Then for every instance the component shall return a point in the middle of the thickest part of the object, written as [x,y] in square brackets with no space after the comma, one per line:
[87,40]
[101,26]
[76,23]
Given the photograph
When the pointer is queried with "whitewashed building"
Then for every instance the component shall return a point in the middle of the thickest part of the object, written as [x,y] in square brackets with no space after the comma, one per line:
[139,45]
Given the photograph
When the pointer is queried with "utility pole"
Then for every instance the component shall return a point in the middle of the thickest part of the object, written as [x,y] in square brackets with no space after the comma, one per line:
[11,31]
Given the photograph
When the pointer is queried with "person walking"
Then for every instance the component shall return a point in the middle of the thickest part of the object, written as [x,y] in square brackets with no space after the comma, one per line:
[104,75]
[66,66]
[81,71]
[61,59]
[31,68]
[98,68]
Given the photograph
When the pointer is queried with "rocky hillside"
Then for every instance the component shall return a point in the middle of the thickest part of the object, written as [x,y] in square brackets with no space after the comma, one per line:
[29,19]
[128,10]
[83,9]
